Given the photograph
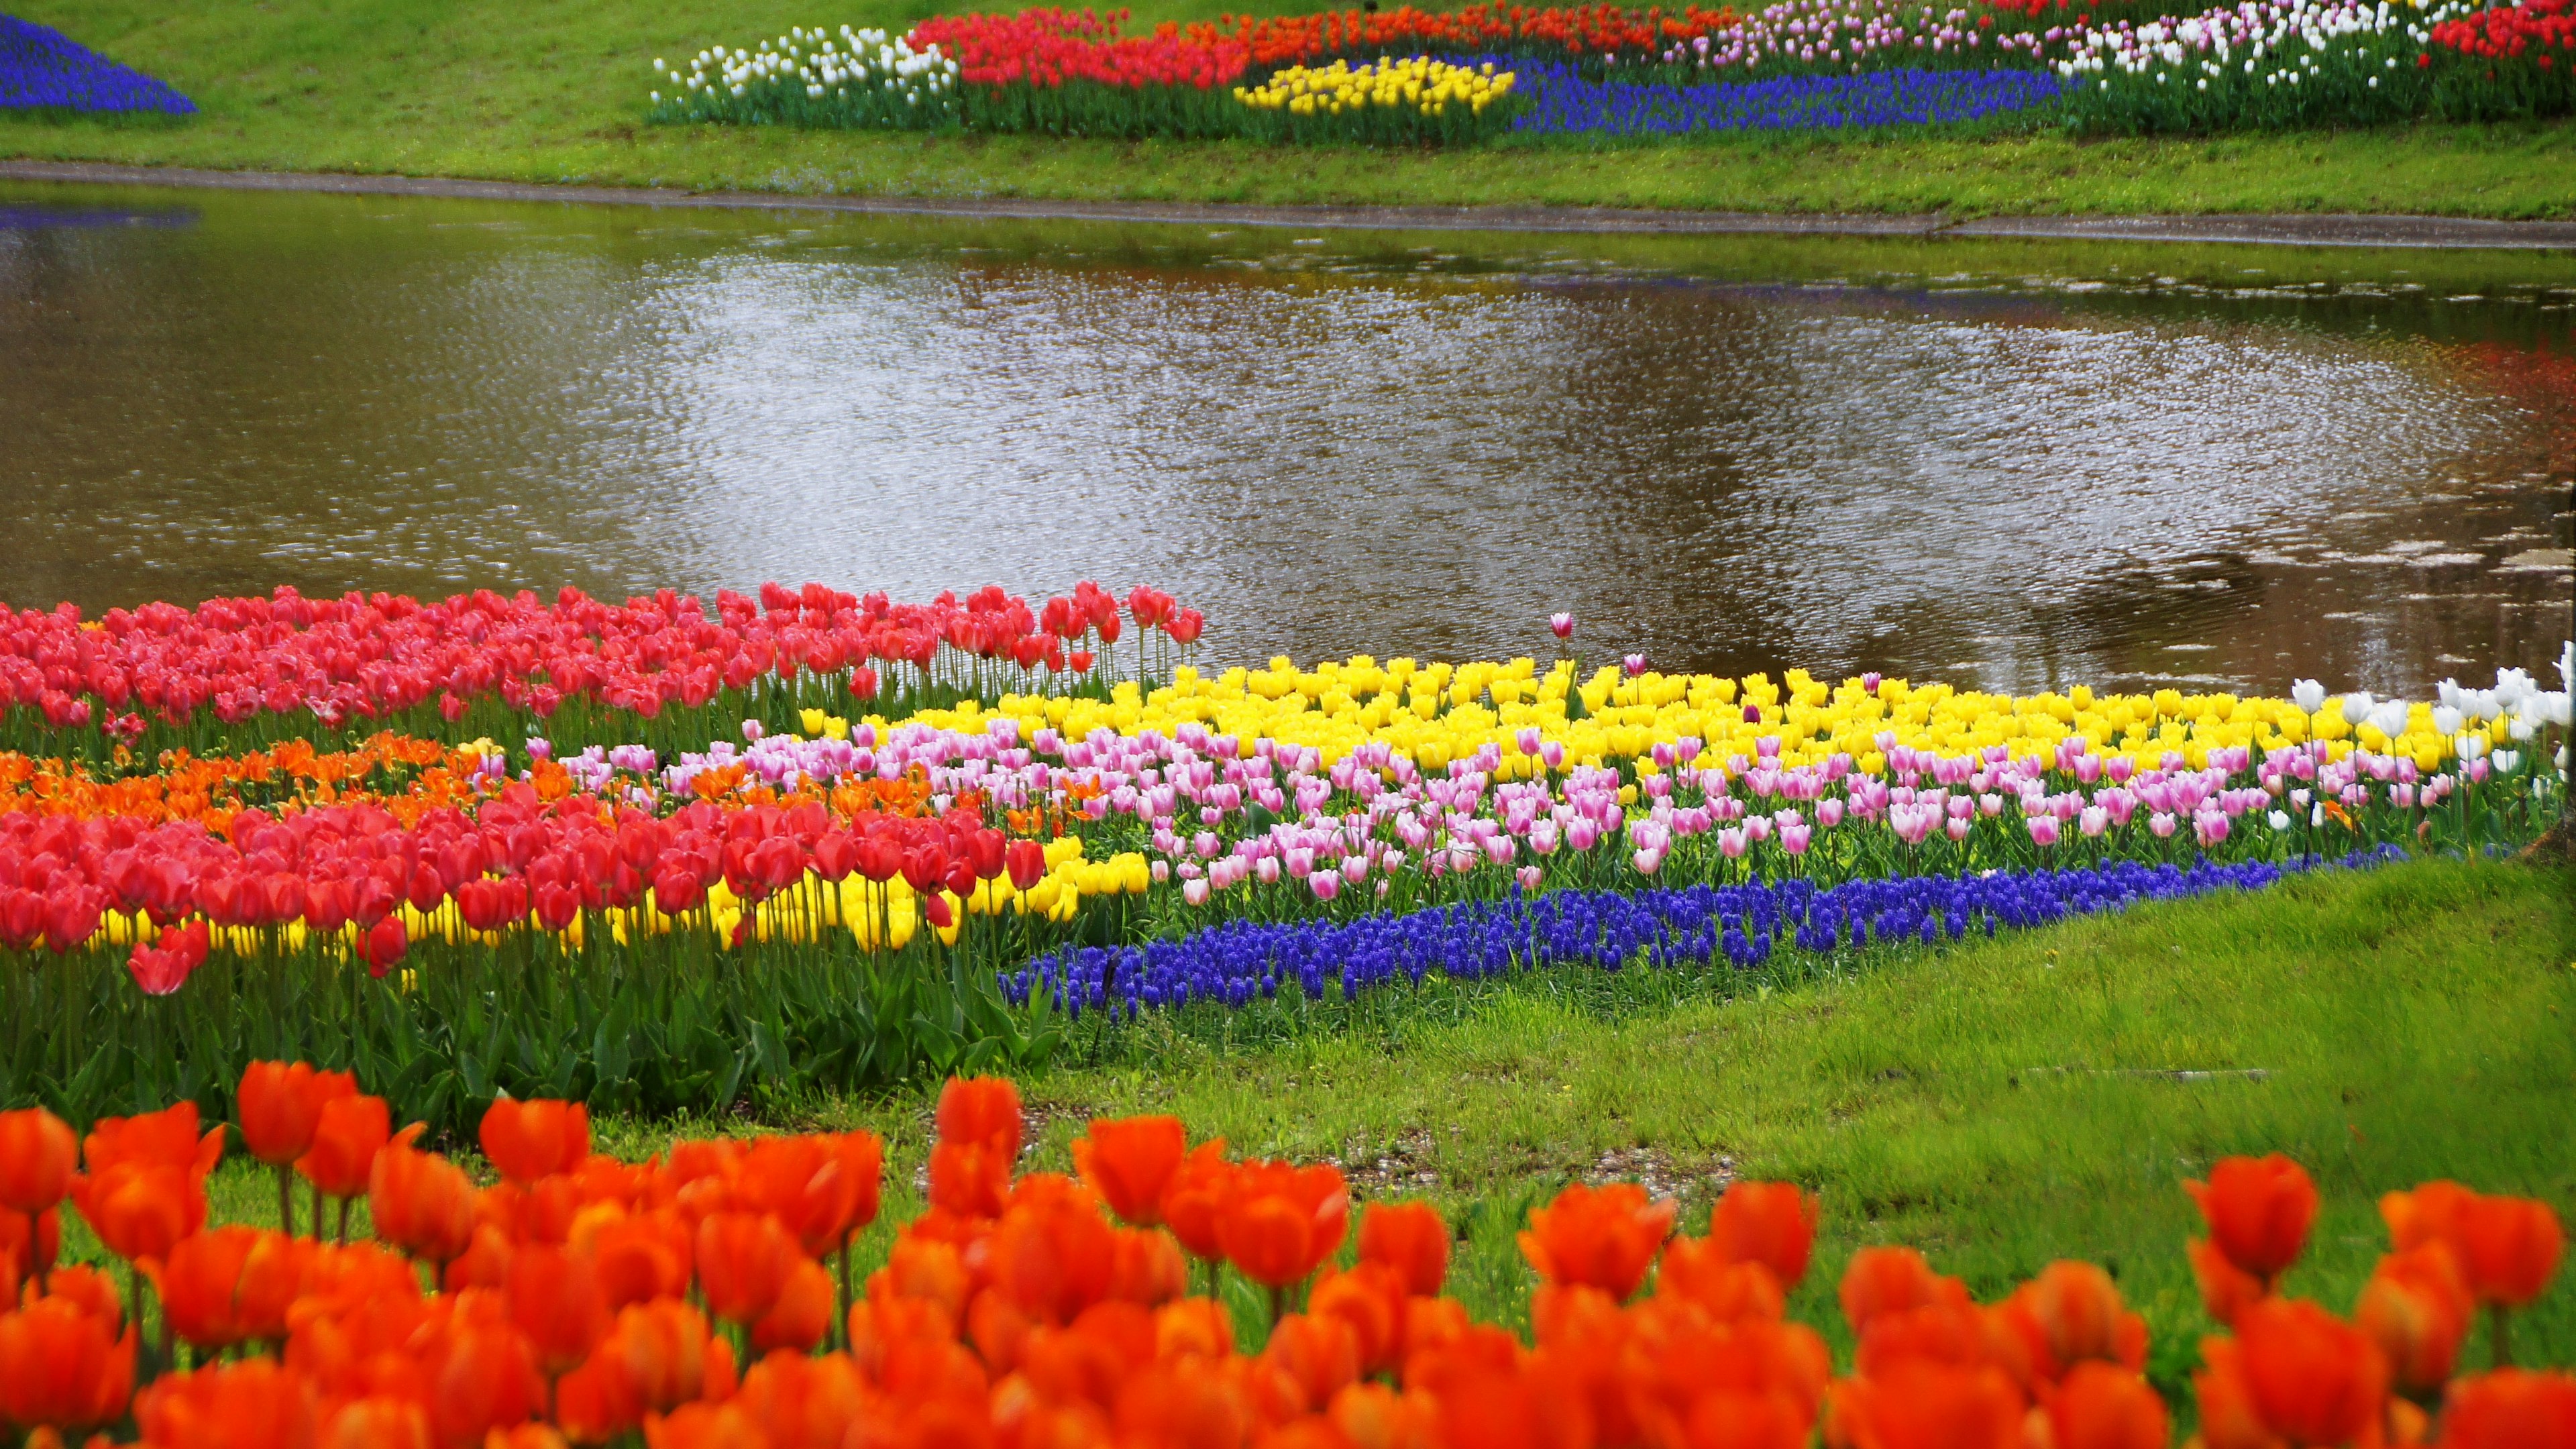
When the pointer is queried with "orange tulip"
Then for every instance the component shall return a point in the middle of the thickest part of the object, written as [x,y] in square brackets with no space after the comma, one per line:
[2080,1318]
[2259,1210]
[232,1285]
[659,1356]
[2228,1416]
[743,1263]
[1888,1280]
[2100,1406]
[168,1137]
[1604,1237]
[244,1405]
[799,1181]
[1373,1416]
[481,1373]
[1770,1223]
[2313,1378]
[803,1403]
[1316,1353]
[705,1426]
[926,1268]
[637,1256]
[1369,1299]
[2225,1289]
[1175,1405]
[280,1104]
[384,1421]
[1281,1222]
[2507,1248]
[1052,1260]
[2418,1311]
[1918,1405]
[28,1247]
[984,1111]
[803,1313]
[1951,1331]
[533,1139]
[1728,1420]
[526,1436]
[63,1366]
[1147,1268]
[140,1210]
[1411,1239]
[969,1179]
[2511,1409]
[421,1203]
[556,1302]
[1696,1271]
[1195,1198]
[1129,1161]
[348,1132]
[485,1263]
[37,1154]
[89,1290]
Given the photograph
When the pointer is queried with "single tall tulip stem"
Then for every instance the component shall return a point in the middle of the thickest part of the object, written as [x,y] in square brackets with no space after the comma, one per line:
[2499,1337]
[286,1199]
[344,1224]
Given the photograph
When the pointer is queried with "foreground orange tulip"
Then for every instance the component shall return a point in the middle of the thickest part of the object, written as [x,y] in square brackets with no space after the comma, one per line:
[2511,1409]
[421,1204]
[280,1104]
[231,1406]
[383,1422]
[232,1285]
[534,1139]
[981,1110]
[803,1403]
[802,1316]
[743,1263]
[63,1366]
[37,1155]
[2312,1378]
[28,1247]
[2258,1209]
[2080,1318]
[2225,1289]
[1193,1198]
[1053,1259]
[1770,1223]
[1881,1281]
[1281,1222]
[1598,1237]
[659,1356]
[705,1426]
[2507,1248]
[166,1138]
[1694,1270]
[1411,1239]
[2418,1311]
[348,1132]
[1918,1405]
[2100,1406]
[141,1210]
[1129,1161]
[556,1303]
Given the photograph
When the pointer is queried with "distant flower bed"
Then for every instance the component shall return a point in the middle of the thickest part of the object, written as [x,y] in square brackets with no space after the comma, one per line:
[1602,70]
[41,70]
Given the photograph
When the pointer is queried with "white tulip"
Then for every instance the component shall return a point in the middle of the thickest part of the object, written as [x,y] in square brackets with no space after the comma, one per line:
[2471,746]
[2447,719]
[2309,695]
[2356,706]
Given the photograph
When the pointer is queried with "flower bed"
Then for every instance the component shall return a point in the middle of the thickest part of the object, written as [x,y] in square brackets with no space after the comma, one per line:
[601,905]
[1821,64]
[695,1298]
[40,69]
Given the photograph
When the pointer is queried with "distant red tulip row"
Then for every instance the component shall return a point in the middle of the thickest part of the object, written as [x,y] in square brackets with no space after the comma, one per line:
[580,1299]
[369,656]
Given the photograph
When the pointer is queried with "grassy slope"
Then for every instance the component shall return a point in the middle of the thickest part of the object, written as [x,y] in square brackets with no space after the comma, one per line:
[2416,1023]
[550,90]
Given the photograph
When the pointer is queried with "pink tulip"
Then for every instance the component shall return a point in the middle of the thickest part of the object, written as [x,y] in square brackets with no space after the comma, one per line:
[1635,664]
[1794,838]
[1563,624]
[1529,878]
[2043,829]
[2163,824]
[1195,892]
[1528,739]
[1957,829]
[1326,884]
[1648,861]
[2095,821]
[1730,843]
[1829,813]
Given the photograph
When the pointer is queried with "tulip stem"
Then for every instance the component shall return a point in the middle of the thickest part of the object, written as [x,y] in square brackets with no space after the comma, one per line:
[317,1211]
[286,1199]
[344,1223]
[843,1325]
[2498,1338]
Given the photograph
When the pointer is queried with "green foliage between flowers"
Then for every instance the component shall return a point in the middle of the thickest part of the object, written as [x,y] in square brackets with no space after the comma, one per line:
[1095,110]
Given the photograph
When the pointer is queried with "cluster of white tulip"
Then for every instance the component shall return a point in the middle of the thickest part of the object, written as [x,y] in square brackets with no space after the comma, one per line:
[863,68]
[2465,715]
[2273,42]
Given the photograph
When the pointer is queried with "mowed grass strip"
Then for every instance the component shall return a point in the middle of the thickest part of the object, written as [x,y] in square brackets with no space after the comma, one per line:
[1996,1104]
[555,91]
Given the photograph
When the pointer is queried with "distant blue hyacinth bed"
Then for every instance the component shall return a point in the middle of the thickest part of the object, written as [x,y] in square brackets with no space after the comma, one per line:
[40,69]
[1563,102]
[1241,962]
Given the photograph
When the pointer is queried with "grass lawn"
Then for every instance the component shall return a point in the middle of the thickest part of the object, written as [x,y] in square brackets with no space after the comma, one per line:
[554,91]
[1997,1104]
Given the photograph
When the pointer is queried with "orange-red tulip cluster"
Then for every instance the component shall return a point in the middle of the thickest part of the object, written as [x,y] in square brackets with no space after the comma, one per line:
[693,1300]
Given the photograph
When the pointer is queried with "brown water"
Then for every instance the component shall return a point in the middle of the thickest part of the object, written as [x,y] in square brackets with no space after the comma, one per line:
[2001,463]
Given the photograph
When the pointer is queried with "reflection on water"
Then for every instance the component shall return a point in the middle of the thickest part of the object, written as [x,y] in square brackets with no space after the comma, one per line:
[2002,464]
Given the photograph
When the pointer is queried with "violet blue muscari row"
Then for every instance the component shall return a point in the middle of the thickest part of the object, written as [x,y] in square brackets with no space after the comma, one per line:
[1562,101]
[41,69]
[1238,961]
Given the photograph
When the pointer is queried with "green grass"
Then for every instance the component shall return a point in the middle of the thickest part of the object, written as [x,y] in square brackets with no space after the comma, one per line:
[1976,1101]
[554,91]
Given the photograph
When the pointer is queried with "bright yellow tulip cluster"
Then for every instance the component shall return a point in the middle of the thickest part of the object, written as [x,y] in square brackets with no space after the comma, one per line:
[1422,84]
[1437,713]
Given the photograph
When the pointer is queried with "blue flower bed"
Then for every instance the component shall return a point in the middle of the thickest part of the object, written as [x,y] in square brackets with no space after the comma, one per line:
[1239,961]
[1564,102]
[41,70]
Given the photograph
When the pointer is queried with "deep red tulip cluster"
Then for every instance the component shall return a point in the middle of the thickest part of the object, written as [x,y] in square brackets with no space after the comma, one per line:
[364,656]
[693,1300]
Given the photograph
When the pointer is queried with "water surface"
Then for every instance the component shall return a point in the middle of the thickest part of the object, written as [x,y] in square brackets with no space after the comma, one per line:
[2008,464]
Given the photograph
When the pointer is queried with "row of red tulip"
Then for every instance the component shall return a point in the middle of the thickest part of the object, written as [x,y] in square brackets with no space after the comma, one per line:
[580,1298]
[365,656]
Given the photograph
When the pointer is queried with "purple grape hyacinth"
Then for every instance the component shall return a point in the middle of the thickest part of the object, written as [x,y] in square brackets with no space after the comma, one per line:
[40,69]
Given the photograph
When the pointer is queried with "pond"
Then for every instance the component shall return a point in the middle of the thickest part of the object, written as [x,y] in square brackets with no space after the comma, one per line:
[2007,464]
